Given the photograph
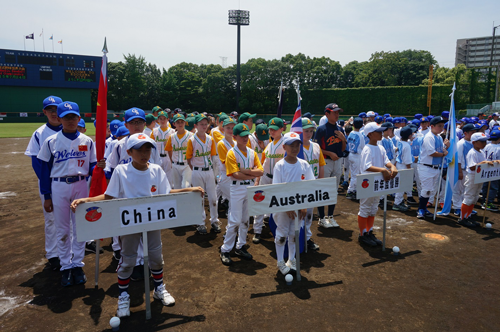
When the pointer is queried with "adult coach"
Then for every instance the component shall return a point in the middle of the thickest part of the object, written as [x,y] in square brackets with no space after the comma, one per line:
[331,139]
[53,126]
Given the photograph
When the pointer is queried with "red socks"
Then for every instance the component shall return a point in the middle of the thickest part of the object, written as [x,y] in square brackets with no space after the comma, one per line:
[369,224]
[362,222]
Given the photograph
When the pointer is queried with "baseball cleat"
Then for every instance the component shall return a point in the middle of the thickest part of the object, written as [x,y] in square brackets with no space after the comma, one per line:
[366,239]
[292,264]
[429,213]
[490,207]
[311,245]
[55,264]
[91,247]
[123,305]
[284,269]
[256,238]
[467,223]
[79,276]
[421,214]
[67,279]
[333,222]
[374,239]
[117,255]
[216,227]
[400,207]
[164,296]
[325,223]
[243,253]
[225,258]
[201,229]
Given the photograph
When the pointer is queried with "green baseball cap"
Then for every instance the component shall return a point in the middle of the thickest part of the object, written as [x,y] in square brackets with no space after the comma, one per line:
[262,132]
[156,109]
[241,129]
[150,118]
[200,117]
[162,113]
[245,116]
[190,123]
[227,121]
[276,123]
[221,114]
[307,123]
[178,117]
[223,117]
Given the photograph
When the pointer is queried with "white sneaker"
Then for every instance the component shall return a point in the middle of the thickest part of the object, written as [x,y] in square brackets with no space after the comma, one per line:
[333,222]
[284,269]
[325,223]
[162,294]
[292,264]
[123,305]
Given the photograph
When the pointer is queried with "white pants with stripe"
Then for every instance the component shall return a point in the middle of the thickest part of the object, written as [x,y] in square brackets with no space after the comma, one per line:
[50,230]
[205,179]
[258,222]
[181,176]
[238,219]
[354,168]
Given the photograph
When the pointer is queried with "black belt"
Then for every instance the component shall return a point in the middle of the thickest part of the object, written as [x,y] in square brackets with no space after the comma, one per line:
[70,179]
[182,164]
[163,155]
[201,168]
[433,166]
[243,183]
[269,175]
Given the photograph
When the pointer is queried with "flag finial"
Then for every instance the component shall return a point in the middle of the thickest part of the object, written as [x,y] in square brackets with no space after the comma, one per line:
[454,86]
[105,47]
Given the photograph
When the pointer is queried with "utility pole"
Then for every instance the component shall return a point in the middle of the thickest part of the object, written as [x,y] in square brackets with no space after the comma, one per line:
[491,58]
[238,18]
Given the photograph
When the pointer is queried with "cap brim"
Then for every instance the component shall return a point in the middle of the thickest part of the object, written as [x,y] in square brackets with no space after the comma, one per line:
[63,114]
[309,126]
[243,133]
[140,144]
[135,117]
[291,140]
[52,104]
[274,127]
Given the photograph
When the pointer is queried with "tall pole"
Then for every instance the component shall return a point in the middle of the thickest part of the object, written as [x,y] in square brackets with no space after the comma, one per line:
[238,75]
[238,18]
[491,57]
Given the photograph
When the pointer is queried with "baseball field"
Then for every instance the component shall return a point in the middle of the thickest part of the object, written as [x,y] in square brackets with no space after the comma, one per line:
[444,279]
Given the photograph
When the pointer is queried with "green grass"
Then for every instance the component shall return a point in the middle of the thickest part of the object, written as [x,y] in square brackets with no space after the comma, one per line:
[8,130]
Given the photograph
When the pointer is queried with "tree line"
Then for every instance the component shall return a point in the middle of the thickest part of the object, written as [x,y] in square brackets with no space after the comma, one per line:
[212,88]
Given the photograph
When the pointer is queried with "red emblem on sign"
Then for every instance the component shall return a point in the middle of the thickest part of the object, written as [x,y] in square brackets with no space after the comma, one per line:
[478,169]
[259,196]
[82,148]
[93,214]
[365,183]
[153,188]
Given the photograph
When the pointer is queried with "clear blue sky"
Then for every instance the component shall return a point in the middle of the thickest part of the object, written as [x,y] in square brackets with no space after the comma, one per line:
[170,32]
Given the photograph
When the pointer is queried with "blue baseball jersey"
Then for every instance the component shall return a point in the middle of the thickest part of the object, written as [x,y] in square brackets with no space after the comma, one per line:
[355,142]
[389,147]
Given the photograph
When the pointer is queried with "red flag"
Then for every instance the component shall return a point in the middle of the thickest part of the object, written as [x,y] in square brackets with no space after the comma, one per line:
[99,184]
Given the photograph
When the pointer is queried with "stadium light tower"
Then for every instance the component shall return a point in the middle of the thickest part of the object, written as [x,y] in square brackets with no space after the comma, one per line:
[238,17]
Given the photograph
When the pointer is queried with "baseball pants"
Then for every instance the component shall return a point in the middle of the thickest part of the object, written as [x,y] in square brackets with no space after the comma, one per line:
[50,230]
[400,195]
[216,166]
[493,190]
[237,219]
[471,194]
[166,164]
[308,220]
[131,244]
[285,229]
[181,176]
[458,193]
[224,186]
[416,178]
[354,160]
[428,180]
[71,252]
[258,221]
[368,207]
[205,179]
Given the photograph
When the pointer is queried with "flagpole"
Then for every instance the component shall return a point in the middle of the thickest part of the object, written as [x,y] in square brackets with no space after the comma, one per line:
[34,48]
[43,40]
[442,162]
[24,39]
[52,43]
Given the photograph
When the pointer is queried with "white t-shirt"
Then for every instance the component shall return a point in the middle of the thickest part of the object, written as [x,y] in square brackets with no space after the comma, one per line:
[373,155]
[424,131]
[474,157]
[323,120]
[494,123]
[404,156]
[129,182]
[285,172]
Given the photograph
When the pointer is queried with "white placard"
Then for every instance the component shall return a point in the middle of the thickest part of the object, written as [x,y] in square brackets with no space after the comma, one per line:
[373,184]
[97,220]
[487,173]
[23,115]
[291,196]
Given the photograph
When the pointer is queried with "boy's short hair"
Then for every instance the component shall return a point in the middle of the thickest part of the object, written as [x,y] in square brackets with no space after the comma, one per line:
[357,123]
[406,132]
[67,107]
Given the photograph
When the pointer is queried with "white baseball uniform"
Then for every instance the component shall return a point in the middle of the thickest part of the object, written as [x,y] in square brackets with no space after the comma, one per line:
[161,136]
[314,156]
[428,167]
[472,190]
[463,148]
[403,158]
[223,187]
[355,145]
[181,173]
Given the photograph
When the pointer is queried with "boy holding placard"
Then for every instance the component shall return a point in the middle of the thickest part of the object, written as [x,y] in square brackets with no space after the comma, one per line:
[373,159]
[138,179]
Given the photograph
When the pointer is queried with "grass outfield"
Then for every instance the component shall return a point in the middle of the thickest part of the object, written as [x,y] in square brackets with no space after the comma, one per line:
[26,129]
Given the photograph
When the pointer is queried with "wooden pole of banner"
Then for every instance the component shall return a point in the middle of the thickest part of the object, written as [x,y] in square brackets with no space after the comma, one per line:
[385,220]
[486,202]
[97,250]
[146,274]
[297,246]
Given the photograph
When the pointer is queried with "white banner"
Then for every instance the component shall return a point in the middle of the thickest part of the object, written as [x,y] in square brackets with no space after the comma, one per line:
[373,184]
[291,196]
[23,115]
[487,173]
[97,220]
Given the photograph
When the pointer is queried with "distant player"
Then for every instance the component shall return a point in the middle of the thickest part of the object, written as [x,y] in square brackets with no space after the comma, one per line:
[176,147]
[355,144]
[161,135]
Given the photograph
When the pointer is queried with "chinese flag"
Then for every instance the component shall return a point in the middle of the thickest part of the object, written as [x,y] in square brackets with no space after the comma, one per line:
[99,184]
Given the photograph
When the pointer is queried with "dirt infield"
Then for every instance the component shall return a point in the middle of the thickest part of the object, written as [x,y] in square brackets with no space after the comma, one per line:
[434,285]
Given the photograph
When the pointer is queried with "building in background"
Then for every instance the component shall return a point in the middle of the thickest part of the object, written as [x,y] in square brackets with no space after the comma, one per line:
[476,52]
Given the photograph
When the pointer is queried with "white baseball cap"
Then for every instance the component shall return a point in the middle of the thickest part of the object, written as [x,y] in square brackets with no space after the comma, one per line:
[495,114]
[373,126]
[479,137]
[135,141]
[371,113]
[291,137]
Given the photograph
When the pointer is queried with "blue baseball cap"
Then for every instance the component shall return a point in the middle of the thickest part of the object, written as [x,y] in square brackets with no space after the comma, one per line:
[397,120]
[426,119]
[67,107]
[387,115]
[134,113]
[122,131]
[376,114]
[51,101]
[494,134]
[389,119]
[445,115]
[416,122]
[468,127]
[308,115]
[477,126]
[418,116]
[403,119]
[95,121]
[362,115]
[379,119]
[81,123]
[475,119]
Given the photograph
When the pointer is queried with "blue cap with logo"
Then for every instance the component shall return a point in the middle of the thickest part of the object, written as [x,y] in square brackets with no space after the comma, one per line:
[418,116]
[416,122]
[397,120]
[114,125]
[379,119]
[445,115]
[494,134]
[51,101]
[67,107]
[362,115]
[81,123]
[134,113]
[389,119]
[122,131]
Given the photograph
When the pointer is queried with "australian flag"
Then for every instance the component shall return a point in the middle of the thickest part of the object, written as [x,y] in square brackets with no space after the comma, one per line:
[297,128]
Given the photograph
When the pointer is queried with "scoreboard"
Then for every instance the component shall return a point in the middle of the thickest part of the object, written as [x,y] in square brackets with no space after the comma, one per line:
[52,70]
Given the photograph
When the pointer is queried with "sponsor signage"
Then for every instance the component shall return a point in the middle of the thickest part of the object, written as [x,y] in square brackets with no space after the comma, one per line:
[291,196]
[487,173]
[373,184]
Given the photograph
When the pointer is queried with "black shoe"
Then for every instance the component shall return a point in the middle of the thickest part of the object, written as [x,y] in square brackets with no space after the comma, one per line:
[138,273]
[256,238]
[215,227]
[91,247]
[411,201]
[466,222]
[225,258]
[381,204]
[311,245]
[374,239]
[225,204]
[55,264]
[117,255]
[243,253]
[79,276]
[67,279]
[365,239]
